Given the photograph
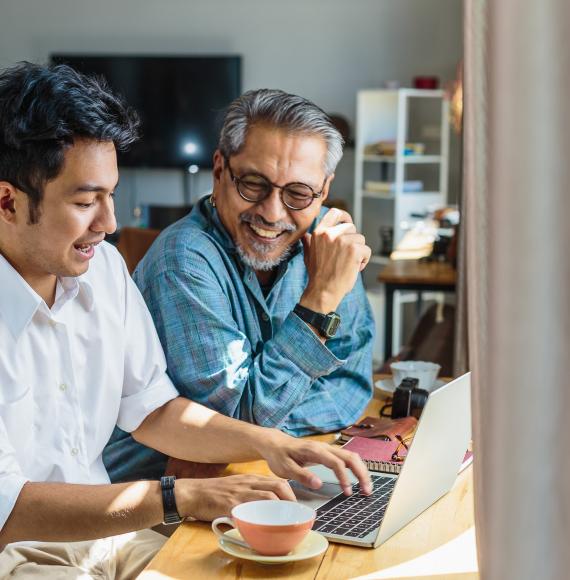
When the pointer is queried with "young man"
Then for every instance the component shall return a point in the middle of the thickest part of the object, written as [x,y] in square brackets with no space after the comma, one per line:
[256,295]
[79,354]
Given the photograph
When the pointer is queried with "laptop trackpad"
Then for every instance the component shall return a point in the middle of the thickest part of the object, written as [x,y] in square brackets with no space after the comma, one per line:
[317,497]
[327,475]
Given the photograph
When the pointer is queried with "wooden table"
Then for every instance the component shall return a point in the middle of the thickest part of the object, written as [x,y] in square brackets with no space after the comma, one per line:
[415,275]
[192,552]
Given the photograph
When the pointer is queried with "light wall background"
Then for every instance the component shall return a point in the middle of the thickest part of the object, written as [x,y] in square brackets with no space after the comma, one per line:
[325,50]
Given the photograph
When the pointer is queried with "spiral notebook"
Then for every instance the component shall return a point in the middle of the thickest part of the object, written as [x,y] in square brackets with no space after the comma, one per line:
[377,454]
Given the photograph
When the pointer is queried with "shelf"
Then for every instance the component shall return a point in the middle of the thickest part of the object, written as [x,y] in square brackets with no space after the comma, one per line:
[378,194]
[425,93]
[422,158]
[422,192]
[388,116]
[406,158]
[392,195]
[408,92]
[379,158]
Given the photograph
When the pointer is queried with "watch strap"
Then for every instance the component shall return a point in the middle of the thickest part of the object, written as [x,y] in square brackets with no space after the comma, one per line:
[310,316]
[171,515]
[326,324]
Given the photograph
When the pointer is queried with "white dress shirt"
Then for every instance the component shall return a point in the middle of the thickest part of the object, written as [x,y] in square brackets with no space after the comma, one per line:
[70,374]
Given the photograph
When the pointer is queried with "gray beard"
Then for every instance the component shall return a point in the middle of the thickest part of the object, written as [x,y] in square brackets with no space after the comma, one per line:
[257,262]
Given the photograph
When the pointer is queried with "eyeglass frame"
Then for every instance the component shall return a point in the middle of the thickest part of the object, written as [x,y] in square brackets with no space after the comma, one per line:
[405,443]
[237,180]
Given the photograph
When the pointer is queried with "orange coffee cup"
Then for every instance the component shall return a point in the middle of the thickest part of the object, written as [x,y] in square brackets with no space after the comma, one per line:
[270,527]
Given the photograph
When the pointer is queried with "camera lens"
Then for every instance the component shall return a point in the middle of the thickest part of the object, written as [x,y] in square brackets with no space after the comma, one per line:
[408,399]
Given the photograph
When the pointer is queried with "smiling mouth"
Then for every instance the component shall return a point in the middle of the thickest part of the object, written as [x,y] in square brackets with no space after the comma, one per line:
[86,249]
[266,234]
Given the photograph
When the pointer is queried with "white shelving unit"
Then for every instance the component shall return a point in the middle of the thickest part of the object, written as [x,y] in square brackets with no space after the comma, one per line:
[397,115]
[384,115]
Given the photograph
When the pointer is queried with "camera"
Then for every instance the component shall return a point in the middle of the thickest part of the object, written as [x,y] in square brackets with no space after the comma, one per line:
[409,399]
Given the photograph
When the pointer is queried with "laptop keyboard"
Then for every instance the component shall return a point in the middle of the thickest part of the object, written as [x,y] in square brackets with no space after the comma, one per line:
[357,515]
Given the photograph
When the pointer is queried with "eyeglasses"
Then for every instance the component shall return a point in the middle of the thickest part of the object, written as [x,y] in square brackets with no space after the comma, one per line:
[255,188]
[399,454]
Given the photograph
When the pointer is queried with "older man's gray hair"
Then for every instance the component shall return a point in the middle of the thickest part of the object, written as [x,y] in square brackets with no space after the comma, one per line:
[281,110]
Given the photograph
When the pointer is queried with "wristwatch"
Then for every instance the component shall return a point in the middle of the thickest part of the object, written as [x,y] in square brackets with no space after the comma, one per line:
[326,324]
[171,515]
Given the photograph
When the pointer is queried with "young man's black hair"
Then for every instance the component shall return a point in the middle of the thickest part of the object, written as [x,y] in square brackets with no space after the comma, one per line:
[42,111]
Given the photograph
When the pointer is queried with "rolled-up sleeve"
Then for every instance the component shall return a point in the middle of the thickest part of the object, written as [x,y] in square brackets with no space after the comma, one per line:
[11,478]
[298,343]
[146,386]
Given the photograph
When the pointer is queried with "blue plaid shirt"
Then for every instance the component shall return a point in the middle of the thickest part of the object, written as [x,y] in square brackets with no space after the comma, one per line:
[243,353]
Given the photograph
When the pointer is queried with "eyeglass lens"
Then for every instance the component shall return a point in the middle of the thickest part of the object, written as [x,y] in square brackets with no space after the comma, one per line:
[256,188]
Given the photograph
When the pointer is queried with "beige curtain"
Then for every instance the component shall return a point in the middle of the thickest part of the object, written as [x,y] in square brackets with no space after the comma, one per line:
[517,198]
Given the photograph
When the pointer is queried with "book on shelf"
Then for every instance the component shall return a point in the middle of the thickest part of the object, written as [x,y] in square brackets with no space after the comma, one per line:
[389,148]
[377,454]
[390,186]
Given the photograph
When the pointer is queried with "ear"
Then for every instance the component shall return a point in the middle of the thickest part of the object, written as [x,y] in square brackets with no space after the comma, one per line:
[219,162]
[8,194]
[327,187]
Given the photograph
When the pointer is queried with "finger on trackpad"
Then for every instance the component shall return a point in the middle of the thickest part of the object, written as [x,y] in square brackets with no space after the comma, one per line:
[315,497]
[327,475]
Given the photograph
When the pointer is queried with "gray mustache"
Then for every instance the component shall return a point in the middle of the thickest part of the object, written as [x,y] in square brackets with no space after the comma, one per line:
[257,220]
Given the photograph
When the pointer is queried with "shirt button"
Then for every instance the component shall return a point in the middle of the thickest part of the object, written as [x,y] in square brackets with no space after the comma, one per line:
[265,317]
[63,387]
[74,451]
[52,322]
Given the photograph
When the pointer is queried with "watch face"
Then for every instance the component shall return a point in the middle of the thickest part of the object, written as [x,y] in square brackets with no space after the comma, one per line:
[333,322]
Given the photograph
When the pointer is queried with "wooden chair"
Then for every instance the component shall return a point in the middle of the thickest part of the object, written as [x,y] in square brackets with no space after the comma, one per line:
[134,243]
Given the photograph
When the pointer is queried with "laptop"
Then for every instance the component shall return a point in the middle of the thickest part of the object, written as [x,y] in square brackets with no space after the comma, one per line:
[428,473]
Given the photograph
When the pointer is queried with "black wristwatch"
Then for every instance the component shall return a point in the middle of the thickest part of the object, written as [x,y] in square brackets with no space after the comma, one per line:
[326,324]
[171,515]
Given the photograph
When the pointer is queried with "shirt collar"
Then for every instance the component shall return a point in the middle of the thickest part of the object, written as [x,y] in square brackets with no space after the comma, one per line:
[19,302]
[84,290]
[216,226]
[70,288]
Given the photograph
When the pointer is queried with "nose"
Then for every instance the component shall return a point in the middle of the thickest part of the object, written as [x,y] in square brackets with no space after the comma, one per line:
[105,220]
[272,208]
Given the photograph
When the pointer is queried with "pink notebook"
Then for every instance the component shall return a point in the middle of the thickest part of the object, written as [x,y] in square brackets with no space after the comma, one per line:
[377,454]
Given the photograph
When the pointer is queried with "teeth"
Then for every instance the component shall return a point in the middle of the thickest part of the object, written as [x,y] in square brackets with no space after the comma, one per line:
[270,234]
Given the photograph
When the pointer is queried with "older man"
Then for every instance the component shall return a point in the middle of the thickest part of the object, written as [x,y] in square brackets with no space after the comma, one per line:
[78,354]
[256,295]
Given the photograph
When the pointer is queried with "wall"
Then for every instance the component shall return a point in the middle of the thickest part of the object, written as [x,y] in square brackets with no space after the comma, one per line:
[322,49]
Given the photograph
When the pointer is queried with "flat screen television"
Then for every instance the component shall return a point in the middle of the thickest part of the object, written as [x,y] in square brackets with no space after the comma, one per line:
[180,99]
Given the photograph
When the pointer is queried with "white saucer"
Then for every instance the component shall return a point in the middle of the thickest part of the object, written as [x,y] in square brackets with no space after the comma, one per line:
[388,386]
[313,545]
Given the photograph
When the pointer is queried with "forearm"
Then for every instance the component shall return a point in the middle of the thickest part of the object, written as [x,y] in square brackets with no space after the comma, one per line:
[68,512]
[334,403]
[61,512]
[283,375]
[265,387]
[338,399]
[187,430]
